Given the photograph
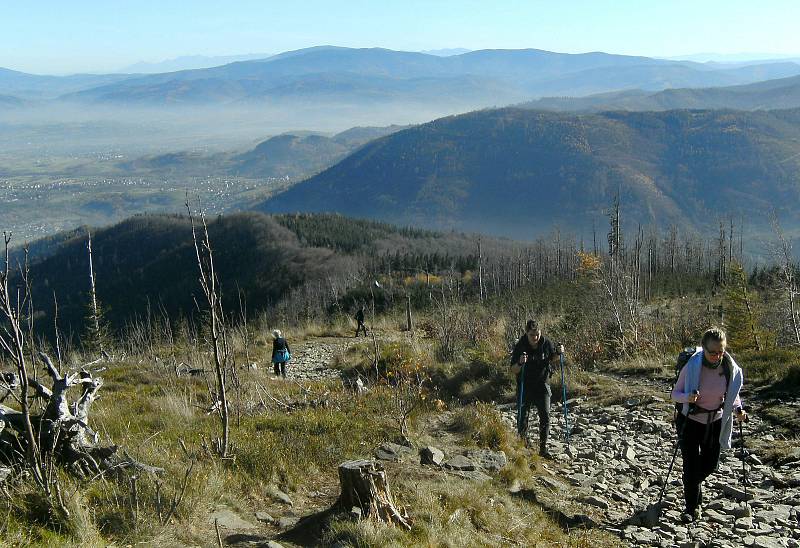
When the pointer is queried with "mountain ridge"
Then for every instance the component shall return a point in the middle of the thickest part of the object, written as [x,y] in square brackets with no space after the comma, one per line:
[475,171]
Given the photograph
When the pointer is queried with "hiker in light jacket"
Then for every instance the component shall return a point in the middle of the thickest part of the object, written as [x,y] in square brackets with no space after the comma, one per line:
[532,361]
[708,387]
[281,353]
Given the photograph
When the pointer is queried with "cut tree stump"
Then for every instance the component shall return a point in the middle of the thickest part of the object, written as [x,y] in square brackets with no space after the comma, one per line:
[364,486]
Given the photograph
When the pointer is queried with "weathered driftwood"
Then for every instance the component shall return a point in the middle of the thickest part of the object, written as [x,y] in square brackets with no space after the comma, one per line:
[364,486]
[62,429]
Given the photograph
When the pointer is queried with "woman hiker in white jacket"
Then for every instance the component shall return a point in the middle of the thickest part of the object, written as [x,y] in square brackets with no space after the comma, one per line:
[708,387]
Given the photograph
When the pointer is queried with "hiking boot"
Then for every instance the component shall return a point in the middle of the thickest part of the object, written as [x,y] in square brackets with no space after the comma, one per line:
[545,454]
[690,516]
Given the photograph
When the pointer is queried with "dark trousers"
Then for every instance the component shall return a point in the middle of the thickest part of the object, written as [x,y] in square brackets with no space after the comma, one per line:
[540,397]
[280,368]
[700,451]
[360,327]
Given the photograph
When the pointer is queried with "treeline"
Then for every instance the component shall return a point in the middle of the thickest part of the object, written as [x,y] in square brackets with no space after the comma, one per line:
[300,268]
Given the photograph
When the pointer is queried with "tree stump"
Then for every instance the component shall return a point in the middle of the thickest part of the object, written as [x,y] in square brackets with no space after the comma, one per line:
[364,486]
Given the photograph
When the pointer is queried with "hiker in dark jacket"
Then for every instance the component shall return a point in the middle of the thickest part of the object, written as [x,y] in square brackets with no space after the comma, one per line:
[281,353]
[360,320]
[708,387]
[532,361]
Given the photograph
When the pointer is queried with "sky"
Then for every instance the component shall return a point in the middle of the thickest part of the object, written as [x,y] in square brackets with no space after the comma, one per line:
[59,37]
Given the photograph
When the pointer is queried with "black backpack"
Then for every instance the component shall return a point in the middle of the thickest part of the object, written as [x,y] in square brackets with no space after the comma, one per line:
[683,358]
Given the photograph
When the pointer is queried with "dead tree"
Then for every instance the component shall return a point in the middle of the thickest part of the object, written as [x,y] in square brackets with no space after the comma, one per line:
[219,343]
[364,486]
[98,334]
[788,281]
[12,345]
[63,430]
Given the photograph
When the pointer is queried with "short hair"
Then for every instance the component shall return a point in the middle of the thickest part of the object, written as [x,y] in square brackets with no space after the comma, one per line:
[276,333]
[715,334]
[532,325]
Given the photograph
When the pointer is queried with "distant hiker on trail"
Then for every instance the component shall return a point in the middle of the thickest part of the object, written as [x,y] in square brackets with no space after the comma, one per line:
[532,361]
[708,387]
[281,354]
[360,320]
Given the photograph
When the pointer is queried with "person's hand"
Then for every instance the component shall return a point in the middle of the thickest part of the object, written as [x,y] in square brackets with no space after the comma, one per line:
[740,415]
[560,349]
[693,397]
[523,358]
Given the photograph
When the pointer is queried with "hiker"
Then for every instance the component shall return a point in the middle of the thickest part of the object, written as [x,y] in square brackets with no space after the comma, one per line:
[708,387]
[281,354]
[533,362]
[360,320]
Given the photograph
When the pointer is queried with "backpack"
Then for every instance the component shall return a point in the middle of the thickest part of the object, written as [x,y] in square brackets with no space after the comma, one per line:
[681,361]
[282,355]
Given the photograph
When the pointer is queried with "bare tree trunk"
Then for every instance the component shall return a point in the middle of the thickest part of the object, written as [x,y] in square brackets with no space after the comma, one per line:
[785,255]
[209,283]
[409,321]
[12,344]
[95,314]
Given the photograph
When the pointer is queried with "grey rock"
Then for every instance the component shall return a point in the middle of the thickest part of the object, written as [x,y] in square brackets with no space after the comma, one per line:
[273,544]
[280,496]
[492,461]
[287,522]
[596,501]
[392,452]
[356,513]
[228,519]
[474,475]
[460,462]
[716,517]
[644,536]
[767,542]
[431,455]
[264,517]
[737,493]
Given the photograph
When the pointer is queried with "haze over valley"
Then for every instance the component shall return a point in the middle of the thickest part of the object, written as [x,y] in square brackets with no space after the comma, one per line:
[94,148]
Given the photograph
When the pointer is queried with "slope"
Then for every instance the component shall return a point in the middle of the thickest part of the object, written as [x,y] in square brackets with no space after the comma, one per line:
[517,172]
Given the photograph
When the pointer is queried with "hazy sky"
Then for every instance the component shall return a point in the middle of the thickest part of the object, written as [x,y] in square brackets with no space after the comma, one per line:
[58,36]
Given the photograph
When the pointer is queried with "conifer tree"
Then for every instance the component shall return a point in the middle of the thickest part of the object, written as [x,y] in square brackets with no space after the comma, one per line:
[742,313]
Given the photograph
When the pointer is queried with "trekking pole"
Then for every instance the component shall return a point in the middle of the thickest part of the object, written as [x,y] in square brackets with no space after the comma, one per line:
[744,469]
[519,403]
[564,401]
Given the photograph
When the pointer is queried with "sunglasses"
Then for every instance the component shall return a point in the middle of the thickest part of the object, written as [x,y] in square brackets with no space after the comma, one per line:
[714,353]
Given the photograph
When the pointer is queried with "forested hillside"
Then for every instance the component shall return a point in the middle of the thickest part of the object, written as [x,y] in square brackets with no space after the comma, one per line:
[147,265]
[519,172]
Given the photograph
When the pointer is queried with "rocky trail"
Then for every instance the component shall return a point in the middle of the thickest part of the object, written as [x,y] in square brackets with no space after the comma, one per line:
[620,457]
[615,468]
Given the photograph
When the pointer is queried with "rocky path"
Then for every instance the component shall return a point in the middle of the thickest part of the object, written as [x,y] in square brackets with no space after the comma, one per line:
[620,456]
[615,468]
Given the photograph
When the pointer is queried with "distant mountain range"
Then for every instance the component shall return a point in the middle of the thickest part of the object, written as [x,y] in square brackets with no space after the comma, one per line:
[486,77]
[189,62]
[520,172]
[33,86]
[782,93]
[336,75]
